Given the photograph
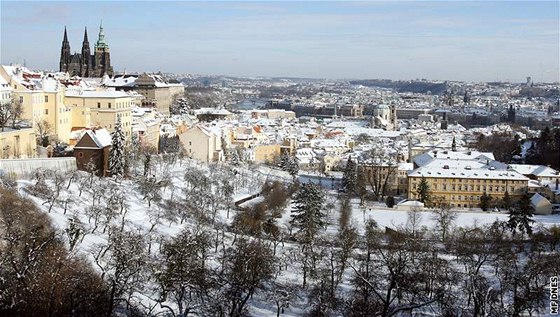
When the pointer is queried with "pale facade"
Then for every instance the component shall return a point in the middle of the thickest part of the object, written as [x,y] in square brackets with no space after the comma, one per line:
[42,99]
[5,91]
[147,127]
[18,144]
[202,144]
[105,107]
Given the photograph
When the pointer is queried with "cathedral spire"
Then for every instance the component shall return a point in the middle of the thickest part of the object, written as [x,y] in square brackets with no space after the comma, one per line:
[65,40]
[64,53]
[85,36]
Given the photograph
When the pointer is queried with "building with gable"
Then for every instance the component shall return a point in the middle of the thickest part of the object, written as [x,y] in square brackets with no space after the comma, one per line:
[92,151]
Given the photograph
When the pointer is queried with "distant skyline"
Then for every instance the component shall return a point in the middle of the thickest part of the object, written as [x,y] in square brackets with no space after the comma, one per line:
[455,40]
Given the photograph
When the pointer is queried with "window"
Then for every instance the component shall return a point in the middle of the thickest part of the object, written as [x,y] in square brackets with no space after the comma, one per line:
[190,143]
[46,111]
[80,154]
[20,97]
[46,98]
[99,105]
[109,105]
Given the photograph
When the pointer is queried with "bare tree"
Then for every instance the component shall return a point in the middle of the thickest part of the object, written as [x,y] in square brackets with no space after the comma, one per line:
[248,265]
[16,111]
[184,276]
[379,169]
[444,218]
[122,262]
[414,221]
[43,129]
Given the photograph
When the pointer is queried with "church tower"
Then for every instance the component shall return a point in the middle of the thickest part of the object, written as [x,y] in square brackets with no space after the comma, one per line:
[102,58]
[65,53]
[86,57]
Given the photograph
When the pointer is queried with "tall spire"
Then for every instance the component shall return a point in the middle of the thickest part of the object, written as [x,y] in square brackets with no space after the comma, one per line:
[65,40]
[85,35]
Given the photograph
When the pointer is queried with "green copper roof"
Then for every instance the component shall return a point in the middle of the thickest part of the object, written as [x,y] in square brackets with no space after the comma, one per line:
[101,42]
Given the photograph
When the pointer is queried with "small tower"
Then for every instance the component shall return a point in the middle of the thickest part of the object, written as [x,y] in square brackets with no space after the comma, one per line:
[65,53]
[511,114]
[454,145]
[85,67]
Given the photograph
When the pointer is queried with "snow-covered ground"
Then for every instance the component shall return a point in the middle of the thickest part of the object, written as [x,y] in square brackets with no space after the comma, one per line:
[151,220]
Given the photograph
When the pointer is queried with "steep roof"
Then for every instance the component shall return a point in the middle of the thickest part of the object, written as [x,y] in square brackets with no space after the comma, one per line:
[100,137]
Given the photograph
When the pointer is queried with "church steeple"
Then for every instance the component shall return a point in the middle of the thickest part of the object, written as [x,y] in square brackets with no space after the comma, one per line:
[86,57]
[85,36]
[64,53]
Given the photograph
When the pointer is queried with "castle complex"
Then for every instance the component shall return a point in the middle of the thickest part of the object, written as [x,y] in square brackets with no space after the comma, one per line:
[86,64]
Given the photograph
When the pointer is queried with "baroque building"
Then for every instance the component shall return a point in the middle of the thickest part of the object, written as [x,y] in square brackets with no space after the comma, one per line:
[85,64]
[384,117]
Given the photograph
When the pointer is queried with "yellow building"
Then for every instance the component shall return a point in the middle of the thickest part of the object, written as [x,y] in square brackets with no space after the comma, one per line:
[41,98]
[462,183]
[105,108]
[156,90]
[57,114]
[18,143]
[265,152]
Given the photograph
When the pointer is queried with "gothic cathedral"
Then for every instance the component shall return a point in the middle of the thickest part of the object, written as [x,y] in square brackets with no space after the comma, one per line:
[85,64]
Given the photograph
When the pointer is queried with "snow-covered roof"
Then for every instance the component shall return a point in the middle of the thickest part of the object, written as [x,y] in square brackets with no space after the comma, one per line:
[97,94]
[101,137]
[406,166]
[537,170]
[213,111]
[446,168]
[413,203]
[538,200]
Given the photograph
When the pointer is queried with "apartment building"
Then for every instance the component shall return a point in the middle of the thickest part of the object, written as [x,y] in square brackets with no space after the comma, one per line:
[105,108]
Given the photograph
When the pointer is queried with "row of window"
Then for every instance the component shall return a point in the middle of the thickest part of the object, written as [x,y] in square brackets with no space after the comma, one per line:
[484,188]
[471,181]
[120,105]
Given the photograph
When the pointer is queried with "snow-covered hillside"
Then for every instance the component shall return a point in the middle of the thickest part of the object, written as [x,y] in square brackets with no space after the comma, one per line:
[176,198]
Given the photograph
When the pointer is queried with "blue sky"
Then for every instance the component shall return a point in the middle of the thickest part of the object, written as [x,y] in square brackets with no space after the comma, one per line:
[455,40]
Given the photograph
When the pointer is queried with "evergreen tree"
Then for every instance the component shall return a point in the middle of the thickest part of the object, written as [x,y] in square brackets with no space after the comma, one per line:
[290,164]
[349,178]
[390,201]
[293,166]
[531,156]
[506,201]
[116,155]
[284,162]
[423,191]
[235,160]
[520,217]
[484,201]
[307,215]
